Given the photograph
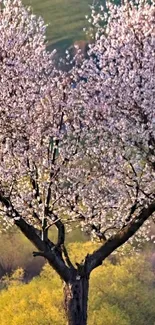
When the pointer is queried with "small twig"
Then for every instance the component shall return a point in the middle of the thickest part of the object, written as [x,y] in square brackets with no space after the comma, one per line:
[53,223]
[38,254]
[60,226]
[134,206]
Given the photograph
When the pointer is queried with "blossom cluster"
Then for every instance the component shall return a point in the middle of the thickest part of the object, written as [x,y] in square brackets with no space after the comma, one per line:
[85,154]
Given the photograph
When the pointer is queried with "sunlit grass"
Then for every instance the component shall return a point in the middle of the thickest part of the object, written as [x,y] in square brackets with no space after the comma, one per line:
[66,19]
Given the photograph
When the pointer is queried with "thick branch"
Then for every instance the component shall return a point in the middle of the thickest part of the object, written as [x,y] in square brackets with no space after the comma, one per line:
[119,239]
[52,255]
[30,232]
[60,226]
[47,249]
[68,261]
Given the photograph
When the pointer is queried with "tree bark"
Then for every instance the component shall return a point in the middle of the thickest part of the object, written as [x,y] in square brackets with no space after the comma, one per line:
[75,300]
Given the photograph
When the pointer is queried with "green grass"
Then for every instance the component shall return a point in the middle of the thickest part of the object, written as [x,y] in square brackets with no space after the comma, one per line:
[66,19]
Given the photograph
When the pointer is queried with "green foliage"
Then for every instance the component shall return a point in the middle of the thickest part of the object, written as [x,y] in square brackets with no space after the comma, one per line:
[15,278]
[125,290]
[119,294]
[78,251]
[36,303]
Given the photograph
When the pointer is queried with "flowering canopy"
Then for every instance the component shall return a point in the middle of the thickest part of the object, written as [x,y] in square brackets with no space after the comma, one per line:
[79,155]
[119,95]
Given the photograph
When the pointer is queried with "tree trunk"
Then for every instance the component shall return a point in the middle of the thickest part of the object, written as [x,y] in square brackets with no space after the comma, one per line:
[76,298]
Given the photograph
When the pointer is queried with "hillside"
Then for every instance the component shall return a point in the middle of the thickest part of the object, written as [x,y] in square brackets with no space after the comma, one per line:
[66,19]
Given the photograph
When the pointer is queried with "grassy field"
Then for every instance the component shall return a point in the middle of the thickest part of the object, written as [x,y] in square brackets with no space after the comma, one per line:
[66,19]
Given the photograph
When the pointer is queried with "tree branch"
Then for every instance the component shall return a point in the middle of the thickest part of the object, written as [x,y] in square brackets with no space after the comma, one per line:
[68,261]
[52,255]
[96,258]
[46,248]
[60,226]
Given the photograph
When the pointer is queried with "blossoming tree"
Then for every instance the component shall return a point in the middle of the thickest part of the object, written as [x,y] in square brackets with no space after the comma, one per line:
[82,155]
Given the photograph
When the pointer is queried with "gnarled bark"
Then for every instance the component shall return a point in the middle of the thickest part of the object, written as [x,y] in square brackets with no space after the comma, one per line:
[75,300]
